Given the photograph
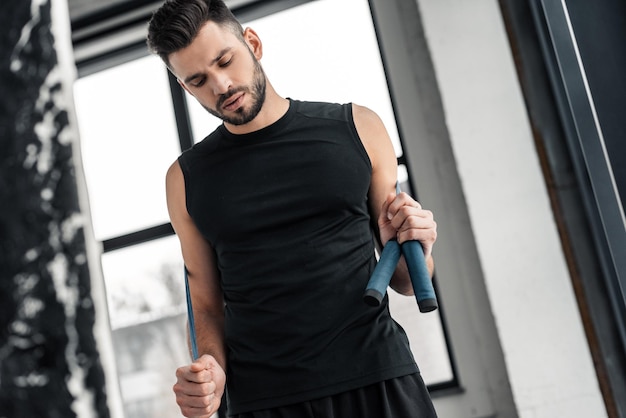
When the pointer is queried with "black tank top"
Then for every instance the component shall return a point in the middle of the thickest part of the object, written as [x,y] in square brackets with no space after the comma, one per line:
[286,210]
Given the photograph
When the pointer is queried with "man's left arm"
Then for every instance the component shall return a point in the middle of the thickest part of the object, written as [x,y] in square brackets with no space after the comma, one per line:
[397,216]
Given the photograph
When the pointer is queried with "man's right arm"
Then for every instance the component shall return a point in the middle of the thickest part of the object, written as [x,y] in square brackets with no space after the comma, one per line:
[200,385]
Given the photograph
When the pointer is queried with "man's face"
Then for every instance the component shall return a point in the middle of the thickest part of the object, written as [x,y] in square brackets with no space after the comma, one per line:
[222,73]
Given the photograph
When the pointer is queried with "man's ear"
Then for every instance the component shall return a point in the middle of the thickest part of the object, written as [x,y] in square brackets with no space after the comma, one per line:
[254,42]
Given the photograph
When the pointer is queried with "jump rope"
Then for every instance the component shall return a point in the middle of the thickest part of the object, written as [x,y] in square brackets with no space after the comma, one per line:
[416,263]
[377,285]
[192,325]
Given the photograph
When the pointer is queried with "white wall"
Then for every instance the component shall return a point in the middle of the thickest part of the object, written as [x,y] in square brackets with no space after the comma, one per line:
[547,358]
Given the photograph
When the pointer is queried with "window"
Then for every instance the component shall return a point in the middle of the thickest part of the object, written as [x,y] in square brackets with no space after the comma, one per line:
[127,144]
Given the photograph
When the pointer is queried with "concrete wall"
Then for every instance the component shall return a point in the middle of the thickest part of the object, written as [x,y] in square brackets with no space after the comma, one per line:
[547,358]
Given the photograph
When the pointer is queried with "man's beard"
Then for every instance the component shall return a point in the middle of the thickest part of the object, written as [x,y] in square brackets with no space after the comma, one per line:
[257,92]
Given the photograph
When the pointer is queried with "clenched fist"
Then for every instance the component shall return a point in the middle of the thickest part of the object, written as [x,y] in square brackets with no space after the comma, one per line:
[199,387]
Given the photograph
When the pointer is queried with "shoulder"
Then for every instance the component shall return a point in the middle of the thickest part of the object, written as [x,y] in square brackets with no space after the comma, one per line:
[175,180]
[197,153]
[366,119]
[373,135]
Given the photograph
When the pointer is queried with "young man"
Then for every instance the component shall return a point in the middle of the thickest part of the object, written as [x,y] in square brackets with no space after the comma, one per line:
[274,211]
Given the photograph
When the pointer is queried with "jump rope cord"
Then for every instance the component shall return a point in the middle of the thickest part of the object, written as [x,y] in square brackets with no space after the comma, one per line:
[192,325]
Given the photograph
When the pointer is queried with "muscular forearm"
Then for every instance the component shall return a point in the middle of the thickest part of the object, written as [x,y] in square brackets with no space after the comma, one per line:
[210,336]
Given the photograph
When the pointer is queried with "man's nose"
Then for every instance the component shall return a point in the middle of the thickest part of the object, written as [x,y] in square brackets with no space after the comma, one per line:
[221,84]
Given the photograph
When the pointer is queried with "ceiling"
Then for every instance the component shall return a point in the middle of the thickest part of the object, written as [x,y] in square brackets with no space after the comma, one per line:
[110,30]
[81,10]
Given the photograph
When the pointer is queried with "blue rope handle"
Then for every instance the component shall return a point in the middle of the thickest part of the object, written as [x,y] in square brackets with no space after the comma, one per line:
[192,325]
[418,271]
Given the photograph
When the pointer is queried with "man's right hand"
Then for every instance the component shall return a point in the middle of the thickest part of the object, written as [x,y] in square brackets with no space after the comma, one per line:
[199,387]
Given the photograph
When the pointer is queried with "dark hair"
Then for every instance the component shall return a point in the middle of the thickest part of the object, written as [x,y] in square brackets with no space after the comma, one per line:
[177,23]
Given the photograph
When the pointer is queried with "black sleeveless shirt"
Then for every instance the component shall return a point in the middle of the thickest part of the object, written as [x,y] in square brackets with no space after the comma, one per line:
[286,210]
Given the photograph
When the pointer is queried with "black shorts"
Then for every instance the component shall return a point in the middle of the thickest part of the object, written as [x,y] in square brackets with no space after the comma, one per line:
[403,397]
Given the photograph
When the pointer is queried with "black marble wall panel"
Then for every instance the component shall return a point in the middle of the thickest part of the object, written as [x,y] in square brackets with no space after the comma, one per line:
[49,363]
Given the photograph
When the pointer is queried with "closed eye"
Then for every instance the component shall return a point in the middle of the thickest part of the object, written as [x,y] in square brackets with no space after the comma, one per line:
[225,63]
[198,82]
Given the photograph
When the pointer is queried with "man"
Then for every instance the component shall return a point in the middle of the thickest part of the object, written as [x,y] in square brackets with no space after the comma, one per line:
[274,212]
